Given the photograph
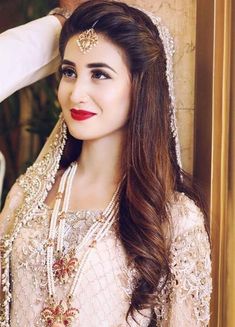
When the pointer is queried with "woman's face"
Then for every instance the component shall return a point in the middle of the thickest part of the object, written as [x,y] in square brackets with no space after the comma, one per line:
[94,90]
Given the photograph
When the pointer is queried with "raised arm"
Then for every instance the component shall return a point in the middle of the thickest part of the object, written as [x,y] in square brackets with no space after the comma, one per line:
[30,52]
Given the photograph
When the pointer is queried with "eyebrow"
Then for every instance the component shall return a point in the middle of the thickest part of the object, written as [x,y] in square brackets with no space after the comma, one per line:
[92,65]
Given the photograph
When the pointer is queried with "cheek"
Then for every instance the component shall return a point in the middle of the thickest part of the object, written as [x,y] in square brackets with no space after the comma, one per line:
[123,97]
[117,108]
[117,98]
[62,94]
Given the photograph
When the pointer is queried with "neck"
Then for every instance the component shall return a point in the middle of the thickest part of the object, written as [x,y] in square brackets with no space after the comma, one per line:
[100,160]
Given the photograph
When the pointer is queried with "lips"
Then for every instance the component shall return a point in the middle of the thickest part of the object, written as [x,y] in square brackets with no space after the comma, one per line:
[79,114]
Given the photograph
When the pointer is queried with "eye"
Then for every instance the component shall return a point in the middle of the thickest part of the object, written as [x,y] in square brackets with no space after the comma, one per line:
[68,72]
[99,74]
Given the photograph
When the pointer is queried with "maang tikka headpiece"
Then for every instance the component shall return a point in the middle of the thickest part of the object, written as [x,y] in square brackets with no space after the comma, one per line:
[87,39]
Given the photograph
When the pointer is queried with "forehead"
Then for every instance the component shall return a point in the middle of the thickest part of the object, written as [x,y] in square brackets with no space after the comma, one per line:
[105,51]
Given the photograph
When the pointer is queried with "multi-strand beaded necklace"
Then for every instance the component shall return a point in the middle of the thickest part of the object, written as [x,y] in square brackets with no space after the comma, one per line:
[62,266]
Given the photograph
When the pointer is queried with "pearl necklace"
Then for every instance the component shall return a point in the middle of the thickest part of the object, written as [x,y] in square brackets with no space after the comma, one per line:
[62,313]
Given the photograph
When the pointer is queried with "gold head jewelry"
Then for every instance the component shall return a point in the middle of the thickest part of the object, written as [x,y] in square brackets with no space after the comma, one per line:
[87,40]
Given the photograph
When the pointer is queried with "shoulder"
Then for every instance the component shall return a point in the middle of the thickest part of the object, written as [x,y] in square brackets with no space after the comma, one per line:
[185,215]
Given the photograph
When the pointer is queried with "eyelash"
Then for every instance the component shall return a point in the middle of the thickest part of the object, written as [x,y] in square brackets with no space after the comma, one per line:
[67,72]
[100,72]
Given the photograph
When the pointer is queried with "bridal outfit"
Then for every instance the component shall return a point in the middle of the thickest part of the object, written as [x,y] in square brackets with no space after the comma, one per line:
[105,286]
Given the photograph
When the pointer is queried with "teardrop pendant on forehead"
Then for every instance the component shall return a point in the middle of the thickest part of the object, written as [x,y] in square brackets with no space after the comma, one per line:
[87,40]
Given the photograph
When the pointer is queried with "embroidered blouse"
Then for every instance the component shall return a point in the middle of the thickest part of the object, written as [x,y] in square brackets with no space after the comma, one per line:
[104,292]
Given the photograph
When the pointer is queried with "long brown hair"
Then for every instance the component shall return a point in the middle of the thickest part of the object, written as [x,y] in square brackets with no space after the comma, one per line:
[152,173]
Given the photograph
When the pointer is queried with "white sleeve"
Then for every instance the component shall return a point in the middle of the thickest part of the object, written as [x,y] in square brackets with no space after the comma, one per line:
[188,304]
[28,53]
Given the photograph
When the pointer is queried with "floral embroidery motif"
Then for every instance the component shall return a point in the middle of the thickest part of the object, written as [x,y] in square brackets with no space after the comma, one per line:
[64,267]
[56,316]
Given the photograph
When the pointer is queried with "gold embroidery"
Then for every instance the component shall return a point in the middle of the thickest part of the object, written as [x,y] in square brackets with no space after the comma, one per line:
[36,183]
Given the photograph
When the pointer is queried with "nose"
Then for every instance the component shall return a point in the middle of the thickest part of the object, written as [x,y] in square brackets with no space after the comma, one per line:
[79,92]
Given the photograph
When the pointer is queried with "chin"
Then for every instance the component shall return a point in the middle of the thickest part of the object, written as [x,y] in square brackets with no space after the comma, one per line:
[80,135]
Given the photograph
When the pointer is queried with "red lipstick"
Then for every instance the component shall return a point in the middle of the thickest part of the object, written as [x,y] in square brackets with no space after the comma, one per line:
[79,114]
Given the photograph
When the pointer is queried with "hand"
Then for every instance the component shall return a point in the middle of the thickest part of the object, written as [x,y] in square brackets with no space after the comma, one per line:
[70,4]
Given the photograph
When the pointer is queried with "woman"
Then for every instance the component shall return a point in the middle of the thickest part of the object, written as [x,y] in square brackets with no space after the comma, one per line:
[107,231]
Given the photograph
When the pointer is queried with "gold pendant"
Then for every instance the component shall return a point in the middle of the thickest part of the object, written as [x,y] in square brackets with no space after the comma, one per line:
[87,40]
[59,315]
[64,267]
